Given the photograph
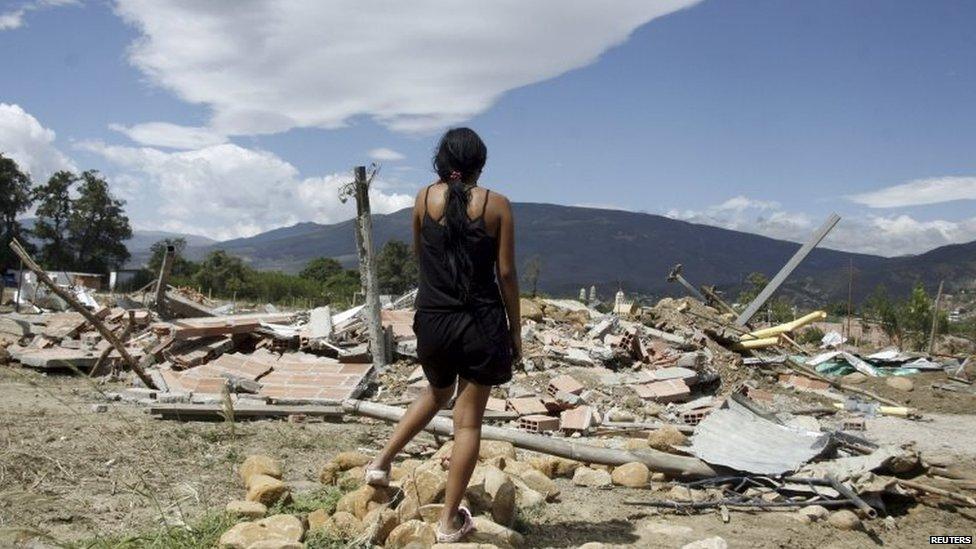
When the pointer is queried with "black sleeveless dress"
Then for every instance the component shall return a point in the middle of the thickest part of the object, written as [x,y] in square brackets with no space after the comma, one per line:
[470,340]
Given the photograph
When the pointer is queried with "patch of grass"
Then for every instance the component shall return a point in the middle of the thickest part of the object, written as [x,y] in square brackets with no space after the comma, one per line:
[319,539]
[203,533]
[322,498]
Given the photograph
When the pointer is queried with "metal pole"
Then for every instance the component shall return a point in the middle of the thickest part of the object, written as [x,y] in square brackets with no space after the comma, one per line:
[367,267]
[935,317]
[787,269]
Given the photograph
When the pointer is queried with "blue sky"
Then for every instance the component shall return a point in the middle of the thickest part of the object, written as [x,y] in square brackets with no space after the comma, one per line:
[226,119]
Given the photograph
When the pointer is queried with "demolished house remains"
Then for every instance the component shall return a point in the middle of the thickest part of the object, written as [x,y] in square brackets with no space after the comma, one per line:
[685,394]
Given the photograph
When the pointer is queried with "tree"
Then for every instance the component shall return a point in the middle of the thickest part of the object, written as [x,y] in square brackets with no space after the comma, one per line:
[879,307]
[396,268]
[53,217]
[531,271]
[181,267]
[916,317]
[15,188]
[341,287]
[757,281]
[321,269]
[98,226]
[222,273]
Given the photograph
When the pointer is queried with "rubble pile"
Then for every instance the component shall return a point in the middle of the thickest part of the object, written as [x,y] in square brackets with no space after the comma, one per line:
[656,397]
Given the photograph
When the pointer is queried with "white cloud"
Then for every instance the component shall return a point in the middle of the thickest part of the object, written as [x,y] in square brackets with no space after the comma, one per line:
[932,190]
[386,155]
[871,234]
[227,191]
[741,213]
[266,67]
[14,19]
[163,134]
[30,144]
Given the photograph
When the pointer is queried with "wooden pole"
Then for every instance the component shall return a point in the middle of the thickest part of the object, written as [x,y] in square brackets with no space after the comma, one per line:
[20,286]
[673,465]
[850,298]
[89,316]
[161,282]
[935,317]
[367,267]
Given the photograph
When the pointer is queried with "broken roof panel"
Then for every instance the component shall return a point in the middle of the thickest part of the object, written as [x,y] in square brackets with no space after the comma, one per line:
[735,437]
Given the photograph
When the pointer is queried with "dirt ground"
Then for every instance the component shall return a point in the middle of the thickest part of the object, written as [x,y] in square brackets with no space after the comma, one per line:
[73,474]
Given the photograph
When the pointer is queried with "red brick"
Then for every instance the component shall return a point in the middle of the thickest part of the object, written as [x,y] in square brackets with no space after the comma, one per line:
[527,405]
[670,390]
[564,383]
[538,423]
[694,417]
[576,419]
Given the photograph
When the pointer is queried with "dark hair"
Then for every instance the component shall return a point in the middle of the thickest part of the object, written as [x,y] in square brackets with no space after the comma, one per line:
[460,157]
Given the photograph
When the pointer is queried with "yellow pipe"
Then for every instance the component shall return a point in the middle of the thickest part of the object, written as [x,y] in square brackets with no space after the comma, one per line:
[788,326]
[758,343]
[900,411]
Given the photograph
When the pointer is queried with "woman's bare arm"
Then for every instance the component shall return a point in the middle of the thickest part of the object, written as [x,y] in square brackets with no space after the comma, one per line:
[418,217]
[507,275]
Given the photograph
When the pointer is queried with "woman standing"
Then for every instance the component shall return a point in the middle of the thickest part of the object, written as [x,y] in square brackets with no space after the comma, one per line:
[467,324]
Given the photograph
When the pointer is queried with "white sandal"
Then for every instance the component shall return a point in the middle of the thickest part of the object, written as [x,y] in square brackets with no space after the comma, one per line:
[376,477]
[467,526]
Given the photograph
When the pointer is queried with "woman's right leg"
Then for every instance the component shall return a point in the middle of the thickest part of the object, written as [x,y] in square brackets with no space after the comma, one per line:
[469,409]
[417,416]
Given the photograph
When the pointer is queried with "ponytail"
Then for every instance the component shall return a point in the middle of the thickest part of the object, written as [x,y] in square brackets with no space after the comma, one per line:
[460,157]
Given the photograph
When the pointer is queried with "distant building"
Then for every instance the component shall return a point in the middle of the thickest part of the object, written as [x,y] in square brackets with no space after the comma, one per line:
[64,278]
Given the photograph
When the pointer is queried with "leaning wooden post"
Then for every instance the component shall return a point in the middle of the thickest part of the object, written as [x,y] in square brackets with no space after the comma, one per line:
[367,267]
[935,317]
[20,287]
[161,282]
[89,316]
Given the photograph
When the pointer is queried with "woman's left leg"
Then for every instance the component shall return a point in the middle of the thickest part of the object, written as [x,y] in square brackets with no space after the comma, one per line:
[469,410]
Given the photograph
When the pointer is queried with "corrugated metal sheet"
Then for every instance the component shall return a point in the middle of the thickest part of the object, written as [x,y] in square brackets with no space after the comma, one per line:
[735,437]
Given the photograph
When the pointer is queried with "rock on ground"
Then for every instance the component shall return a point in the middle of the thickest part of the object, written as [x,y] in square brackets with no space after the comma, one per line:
[259,465]
[844,520]
[900,383]
[284,528]
[412,532]
[707,543]
[265,489]
[592,478]
[248,509]
[632,475]
[663,439]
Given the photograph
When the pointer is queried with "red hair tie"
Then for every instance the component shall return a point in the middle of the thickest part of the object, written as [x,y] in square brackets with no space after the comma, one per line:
[455,175]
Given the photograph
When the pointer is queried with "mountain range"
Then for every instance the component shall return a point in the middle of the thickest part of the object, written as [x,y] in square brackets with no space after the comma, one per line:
[615,249]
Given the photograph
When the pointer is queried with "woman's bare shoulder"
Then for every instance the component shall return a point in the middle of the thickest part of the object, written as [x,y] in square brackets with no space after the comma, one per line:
[497,198]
